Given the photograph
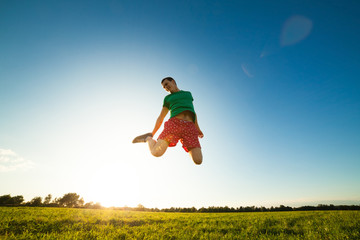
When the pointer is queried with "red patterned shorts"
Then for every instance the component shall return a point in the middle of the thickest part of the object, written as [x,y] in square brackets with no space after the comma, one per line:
[176,129]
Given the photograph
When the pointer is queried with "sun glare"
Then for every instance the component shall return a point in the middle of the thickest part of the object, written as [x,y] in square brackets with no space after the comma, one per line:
[114,185]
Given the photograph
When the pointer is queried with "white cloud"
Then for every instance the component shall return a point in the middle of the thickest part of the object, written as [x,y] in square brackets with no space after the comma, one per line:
[10,161]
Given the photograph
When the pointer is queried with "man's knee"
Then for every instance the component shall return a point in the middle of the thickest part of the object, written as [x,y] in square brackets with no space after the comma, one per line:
[198,160]
[196,155]
[159,149]
[157,152]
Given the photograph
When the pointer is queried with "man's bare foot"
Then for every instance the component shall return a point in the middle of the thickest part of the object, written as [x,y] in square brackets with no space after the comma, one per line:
[142,138]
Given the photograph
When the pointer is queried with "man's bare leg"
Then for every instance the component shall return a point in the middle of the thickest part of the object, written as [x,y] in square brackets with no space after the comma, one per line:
[196,155]
[157,148]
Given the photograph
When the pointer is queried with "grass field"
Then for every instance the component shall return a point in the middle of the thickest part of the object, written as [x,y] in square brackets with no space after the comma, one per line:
[66,223]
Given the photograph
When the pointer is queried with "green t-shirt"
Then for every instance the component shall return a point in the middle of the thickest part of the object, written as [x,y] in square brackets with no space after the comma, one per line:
[179,102]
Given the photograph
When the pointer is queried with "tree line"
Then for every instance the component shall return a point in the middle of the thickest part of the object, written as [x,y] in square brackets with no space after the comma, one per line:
[73,200]
[70,200]
[263,209]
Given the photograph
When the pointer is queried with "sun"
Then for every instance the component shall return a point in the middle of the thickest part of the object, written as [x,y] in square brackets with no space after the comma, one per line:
[114,185]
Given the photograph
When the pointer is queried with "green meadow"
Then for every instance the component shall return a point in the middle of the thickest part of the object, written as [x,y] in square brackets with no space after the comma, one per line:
[71,223]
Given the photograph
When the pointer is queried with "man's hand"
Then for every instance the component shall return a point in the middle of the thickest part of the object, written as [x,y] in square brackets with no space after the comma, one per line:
[201,135]
[160,119]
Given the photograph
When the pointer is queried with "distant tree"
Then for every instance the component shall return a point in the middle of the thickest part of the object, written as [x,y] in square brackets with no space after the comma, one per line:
[56,202]
[71,200]
[17,200]
[91,205]
[97,205]
[81,202]
[5,199]
[36,202]
[140,208]
[47,199]
[306,208]
[11,201]
[283,208]
[240,209]
[202,209]
[88,205]
[155,210]
[249,209]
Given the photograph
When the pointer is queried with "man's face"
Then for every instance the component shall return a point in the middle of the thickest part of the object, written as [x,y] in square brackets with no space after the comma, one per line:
[169,86]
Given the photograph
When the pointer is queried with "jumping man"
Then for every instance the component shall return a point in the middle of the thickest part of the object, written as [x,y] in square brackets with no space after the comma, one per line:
[182,124]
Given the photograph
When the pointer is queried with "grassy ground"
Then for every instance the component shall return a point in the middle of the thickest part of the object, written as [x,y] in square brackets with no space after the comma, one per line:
[61,223]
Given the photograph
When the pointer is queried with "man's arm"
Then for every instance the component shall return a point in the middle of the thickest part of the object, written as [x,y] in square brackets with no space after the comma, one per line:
[160,119]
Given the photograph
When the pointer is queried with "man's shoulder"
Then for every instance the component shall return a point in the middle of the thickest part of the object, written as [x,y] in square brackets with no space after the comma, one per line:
[179,93]
[185,92]
[167,96]
[188,93]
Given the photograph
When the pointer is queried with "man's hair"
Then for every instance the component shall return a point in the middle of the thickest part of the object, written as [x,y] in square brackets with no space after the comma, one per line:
[167,78]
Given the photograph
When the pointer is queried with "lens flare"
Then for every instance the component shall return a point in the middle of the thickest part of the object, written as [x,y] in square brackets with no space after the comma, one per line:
[295,29]
[245,68]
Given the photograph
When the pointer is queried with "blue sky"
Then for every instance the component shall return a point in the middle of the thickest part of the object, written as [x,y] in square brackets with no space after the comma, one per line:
[275,84]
